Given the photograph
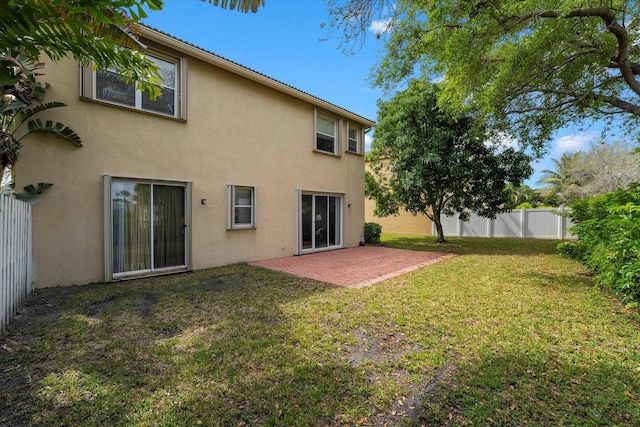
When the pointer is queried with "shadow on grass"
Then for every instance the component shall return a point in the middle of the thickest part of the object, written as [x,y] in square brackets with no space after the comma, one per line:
[516,387]
[212,347]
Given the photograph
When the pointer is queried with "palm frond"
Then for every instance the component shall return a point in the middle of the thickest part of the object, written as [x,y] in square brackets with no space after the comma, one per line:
[58,129]
[32,191]
[26,114]
[239,5]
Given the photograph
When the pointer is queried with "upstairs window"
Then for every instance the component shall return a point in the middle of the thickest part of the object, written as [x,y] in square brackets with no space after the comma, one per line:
[111,87]
[354,135]
[326,133]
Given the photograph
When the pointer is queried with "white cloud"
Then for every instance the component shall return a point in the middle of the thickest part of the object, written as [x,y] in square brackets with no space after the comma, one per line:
[367,142]
[381,27]
[572,143]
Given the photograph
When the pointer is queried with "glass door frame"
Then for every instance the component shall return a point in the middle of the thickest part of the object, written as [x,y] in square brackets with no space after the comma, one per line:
[300,227]
[109,274]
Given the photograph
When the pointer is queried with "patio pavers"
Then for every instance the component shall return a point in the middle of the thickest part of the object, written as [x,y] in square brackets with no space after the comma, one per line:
[354,267]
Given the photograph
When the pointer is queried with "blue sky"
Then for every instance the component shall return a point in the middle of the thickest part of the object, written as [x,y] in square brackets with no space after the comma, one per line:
[285,40]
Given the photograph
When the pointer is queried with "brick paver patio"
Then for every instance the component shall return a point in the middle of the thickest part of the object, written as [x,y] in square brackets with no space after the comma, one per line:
[354,267]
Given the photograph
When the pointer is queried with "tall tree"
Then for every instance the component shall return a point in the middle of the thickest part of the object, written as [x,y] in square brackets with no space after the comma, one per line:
[531,66]
[559,183]
[429,160]
[603,168]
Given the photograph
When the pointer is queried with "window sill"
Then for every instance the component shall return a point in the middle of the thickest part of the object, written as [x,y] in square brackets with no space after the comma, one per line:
[354,153]
[136,110]
[315,150]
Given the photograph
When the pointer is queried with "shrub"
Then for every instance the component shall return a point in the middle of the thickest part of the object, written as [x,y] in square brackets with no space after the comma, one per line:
[372,231]
[572,249]
[525,205]
[608,229]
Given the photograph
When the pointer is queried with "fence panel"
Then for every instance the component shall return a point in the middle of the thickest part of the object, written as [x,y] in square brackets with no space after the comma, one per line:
[506,224]
[531,223]
[475,227]
[15,257]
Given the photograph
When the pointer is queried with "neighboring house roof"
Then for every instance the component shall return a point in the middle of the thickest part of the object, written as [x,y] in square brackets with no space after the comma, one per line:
[190,49]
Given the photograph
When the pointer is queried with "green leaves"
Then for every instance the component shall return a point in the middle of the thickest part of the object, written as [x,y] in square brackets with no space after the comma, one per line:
[31,190]
[27,113]
[431,160]
[608,228]
[529,67]
[101,31]
[58,129]
[239,5]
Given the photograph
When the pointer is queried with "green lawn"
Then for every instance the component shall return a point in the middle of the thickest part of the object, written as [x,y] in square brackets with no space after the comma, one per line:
[508,333]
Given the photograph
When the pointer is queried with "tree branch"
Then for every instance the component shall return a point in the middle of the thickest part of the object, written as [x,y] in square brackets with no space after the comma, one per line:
[627,69]
[620,104]
[635,67]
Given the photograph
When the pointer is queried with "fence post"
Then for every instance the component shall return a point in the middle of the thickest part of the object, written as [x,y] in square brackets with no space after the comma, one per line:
[561,224]
[523,222]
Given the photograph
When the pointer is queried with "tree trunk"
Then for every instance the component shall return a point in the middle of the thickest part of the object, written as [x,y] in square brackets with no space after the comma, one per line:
[438,223]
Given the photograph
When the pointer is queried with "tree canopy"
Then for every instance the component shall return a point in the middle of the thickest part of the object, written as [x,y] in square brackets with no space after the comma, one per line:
[530,66]
[429,160]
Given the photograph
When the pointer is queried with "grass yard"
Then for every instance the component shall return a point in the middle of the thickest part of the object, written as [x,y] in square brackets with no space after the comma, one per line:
[508,333]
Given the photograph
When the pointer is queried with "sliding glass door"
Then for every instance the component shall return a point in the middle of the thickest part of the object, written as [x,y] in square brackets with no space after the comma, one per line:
[148,227]
[321,221]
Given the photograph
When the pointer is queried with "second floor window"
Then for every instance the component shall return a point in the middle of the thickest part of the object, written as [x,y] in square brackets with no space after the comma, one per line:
[353,144]
[326,133]
[111,87]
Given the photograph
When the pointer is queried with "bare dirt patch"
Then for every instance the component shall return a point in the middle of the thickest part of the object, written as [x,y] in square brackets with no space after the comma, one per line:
[96,308]
[145,304]
[387,349]
[222,283]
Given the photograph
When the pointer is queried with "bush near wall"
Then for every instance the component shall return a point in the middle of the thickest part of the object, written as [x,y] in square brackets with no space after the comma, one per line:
[608,231]
[372,232]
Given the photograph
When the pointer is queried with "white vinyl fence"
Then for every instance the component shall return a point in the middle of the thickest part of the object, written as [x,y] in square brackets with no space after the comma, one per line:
[525,223]
[15,257]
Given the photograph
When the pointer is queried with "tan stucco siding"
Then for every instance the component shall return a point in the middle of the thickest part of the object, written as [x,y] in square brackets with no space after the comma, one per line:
[237,132]
[404,222]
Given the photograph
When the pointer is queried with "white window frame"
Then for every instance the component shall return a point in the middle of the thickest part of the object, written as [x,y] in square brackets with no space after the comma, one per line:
[88,87]
[232,205]
[336,136]
[358,140]
[343,217]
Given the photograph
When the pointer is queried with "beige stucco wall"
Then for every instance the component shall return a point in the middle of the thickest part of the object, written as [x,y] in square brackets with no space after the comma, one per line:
[404,222]
[238,132]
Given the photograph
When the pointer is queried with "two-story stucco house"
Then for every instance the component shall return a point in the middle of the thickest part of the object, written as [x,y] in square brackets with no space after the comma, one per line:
[228,165]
